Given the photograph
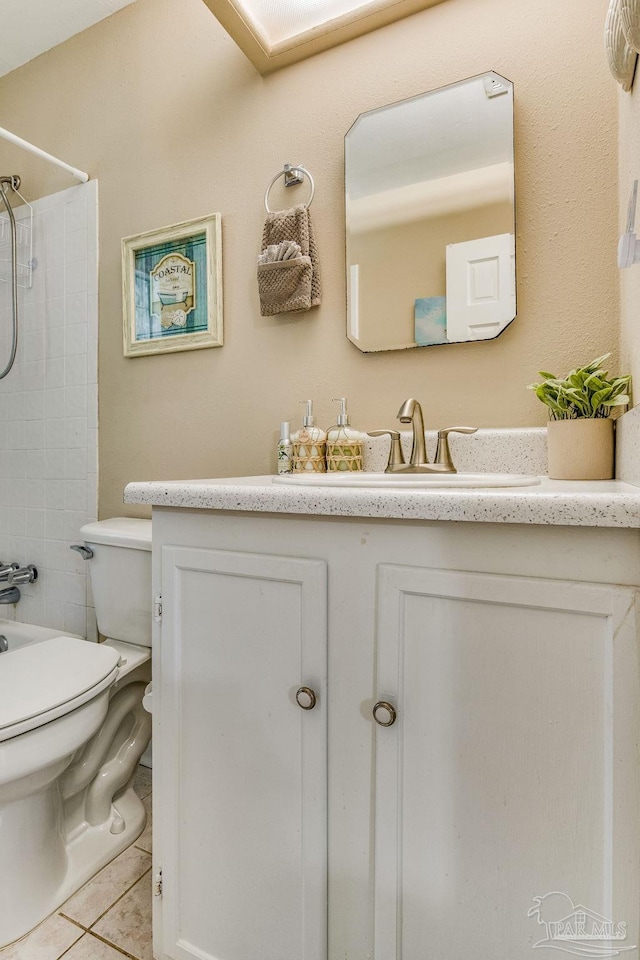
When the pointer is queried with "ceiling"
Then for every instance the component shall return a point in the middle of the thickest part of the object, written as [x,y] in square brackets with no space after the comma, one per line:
[277,33]
[272,33]
[30,27]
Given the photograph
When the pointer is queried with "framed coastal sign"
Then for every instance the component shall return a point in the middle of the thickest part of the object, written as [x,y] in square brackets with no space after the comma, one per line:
[172,288]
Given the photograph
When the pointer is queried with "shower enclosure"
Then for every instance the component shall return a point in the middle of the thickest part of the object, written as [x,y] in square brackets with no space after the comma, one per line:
[48,398]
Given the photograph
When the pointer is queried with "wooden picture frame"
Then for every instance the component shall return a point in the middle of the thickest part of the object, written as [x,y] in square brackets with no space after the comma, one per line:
[172,288]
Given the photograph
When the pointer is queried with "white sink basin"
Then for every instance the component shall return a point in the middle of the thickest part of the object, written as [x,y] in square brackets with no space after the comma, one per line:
[407,481]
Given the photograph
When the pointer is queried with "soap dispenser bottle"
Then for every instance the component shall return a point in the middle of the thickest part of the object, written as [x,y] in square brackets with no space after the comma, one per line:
[309,444]
[344,444]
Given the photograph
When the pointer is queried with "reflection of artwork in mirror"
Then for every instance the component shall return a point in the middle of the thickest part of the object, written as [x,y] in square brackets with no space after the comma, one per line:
[430,211]
[431,321]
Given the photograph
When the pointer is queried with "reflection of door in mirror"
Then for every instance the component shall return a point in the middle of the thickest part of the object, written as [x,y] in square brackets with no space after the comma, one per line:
[430,218]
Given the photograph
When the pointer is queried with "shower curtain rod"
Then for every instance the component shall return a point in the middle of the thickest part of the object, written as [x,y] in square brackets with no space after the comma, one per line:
[11,137]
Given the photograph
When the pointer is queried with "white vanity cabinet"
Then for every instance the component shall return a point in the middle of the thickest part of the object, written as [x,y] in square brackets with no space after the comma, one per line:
[242,758]
[510,771]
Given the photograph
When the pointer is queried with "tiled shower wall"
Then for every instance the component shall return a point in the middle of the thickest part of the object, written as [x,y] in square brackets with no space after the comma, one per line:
[48,412]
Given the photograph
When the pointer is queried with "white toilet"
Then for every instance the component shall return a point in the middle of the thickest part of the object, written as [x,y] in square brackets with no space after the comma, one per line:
[72,730]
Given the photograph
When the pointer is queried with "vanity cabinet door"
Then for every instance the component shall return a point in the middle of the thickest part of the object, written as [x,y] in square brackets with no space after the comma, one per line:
[240,832]
[510,772]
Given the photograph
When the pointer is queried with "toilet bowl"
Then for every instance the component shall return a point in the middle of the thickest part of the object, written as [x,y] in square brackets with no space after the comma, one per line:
[72,731]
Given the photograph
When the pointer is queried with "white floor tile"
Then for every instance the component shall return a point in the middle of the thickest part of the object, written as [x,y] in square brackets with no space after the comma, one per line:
[47,942]
[128,924]
[100,893]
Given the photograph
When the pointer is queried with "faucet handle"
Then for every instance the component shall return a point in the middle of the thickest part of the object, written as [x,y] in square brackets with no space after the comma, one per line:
[27,574]
[443,453]
[6,569]
[396,456]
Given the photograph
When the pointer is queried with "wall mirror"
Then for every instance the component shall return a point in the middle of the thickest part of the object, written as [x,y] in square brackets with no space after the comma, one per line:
[430,218]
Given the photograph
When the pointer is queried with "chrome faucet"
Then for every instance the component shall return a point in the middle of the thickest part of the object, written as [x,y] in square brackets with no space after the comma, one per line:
[6,569]
[27,574]
[13,574]
[411,412]
[9,595]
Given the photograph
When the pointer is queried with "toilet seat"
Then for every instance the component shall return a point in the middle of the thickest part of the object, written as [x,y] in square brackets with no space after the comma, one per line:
[44,681]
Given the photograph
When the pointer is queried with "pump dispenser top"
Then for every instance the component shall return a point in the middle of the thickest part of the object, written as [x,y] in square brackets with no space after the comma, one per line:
[343,418]
[308,420]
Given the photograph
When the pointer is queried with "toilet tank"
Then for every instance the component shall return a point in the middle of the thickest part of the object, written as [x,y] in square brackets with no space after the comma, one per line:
[120,571]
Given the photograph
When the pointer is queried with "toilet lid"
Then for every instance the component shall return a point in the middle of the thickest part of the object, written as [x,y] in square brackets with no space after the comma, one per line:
[45,680]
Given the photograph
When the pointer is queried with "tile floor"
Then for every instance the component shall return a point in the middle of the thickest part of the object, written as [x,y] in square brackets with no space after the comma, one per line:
[107,919]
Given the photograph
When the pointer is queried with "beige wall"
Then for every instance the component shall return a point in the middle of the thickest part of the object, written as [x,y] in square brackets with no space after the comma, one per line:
[629,170]
[160,105]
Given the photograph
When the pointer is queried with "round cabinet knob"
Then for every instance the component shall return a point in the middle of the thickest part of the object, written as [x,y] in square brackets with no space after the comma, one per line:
[306,698]
[384,713]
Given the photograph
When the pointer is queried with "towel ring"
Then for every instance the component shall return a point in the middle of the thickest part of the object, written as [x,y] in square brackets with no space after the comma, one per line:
[283,173]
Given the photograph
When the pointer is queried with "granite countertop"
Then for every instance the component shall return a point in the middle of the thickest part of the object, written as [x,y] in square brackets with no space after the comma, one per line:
[604,503]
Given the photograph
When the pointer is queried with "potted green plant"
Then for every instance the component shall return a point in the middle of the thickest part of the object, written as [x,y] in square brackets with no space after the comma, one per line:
[580,431]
